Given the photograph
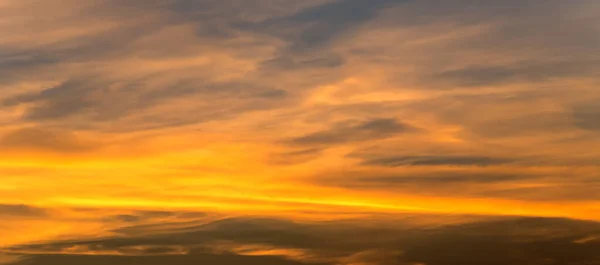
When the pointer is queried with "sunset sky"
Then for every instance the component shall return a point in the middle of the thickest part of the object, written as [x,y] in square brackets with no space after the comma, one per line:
[294,132]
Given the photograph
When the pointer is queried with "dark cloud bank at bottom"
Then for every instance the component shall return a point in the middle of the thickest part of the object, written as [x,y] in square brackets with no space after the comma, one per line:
[509,240]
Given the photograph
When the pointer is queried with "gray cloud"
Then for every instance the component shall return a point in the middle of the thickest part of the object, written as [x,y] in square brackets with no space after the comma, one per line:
[61,101]
[21,210]
[587,115]
[322,23]
[502,241]
[441,160]
[426,182]
[305,62]
[294,157]
[584,191]
[522,72]
[126,218]
[90,96]
[93,100]
[530,42]
[460,245]
[306,29]
[192,258]
[353,131]
[138,216]
[513,183]
[29,61]
[38,138]
[311,33]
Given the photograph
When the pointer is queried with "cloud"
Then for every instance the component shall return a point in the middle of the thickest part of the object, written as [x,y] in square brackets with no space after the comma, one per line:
[138,216]
[8,259]
[524,184]
[519,73]
[98,91]
[67,99]
[200,258]
[436,161]
[499,115]
[512,240]
[322,23]
[290,63]
[109,101]
[445,106]
[294,157]
[41,139]
[587,115]
[431,181]
[353,131]
[21,210]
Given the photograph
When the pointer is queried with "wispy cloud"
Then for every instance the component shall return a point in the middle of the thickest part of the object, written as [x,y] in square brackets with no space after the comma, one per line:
[181,112]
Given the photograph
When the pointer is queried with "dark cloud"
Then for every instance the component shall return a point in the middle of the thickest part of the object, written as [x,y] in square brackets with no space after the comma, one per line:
[425,182]
[587,115]
[61,101]
[294,157]
[513,183]
[23,62]
[522,72]
[520,241]
[320,24]
[502,241]
[274,93]
[303,63]
[52,140]
[90,96]
[94,100]
[137,216]
[127,218]
[310,33]
[306,30]
[538,26]
[18,62]
[192,258]
[353,131]
[584,191]
[21,210]
[395,161]
[507,43]
[523,125]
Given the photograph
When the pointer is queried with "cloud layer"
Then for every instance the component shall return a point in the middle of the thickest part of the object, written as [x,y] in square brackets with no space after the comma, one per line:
[116,116]
[272,241]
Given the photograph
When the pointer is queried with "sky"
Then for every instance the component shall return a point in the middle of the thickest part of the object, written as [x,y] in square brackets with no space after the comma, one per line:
[287,132]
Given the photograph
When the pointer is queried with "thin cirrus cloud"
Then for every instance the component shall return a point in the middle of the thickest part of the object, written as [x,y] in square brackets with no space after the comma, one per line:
[230,132]
[436,160]
[349,131]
